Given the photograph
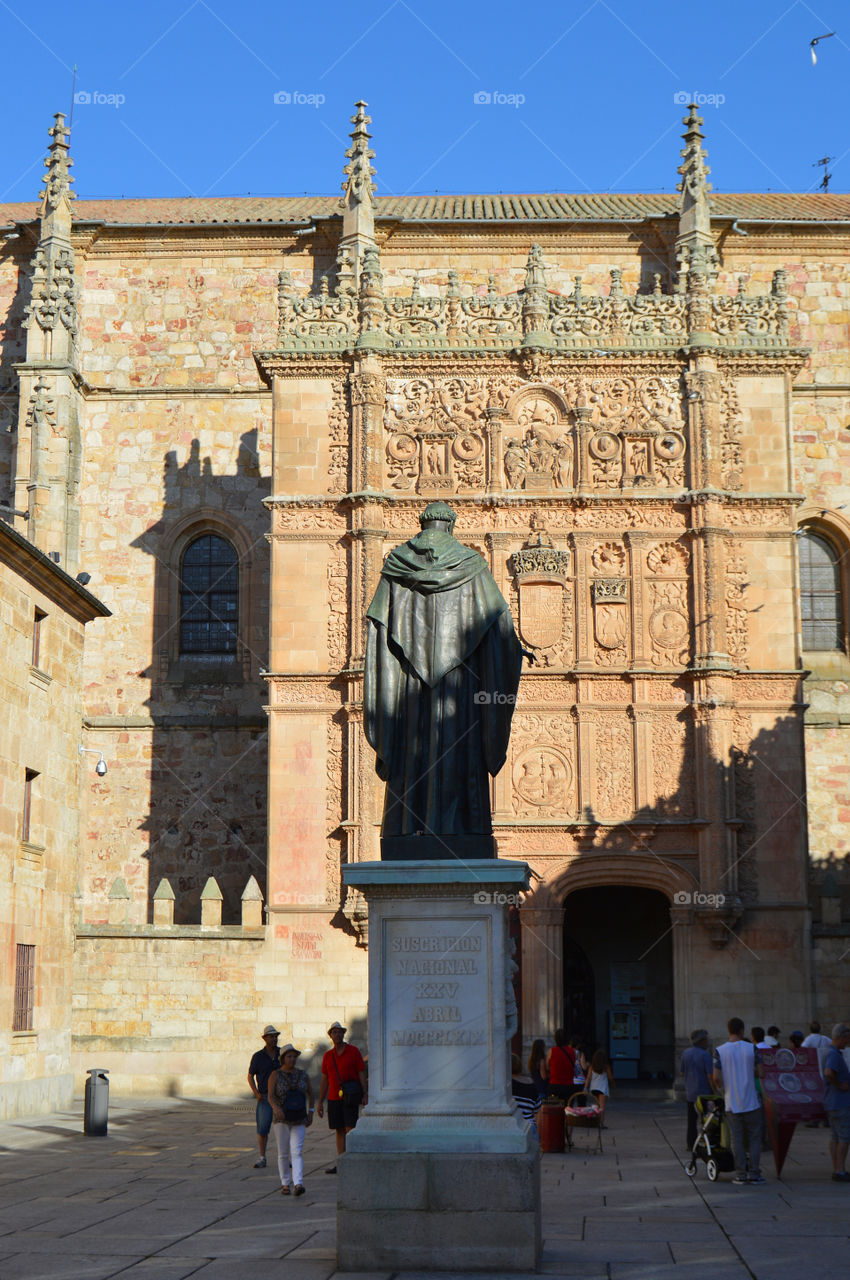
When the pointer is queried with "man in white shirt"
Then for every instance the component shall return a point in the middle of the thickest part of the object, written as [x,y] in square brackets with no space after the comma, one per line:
[736,1065]
[814,1040]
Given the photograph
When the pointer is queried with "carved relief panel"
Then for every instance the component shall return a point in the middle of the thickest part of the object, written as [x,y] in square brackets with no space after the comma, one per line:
[614,767]
[737,622]
[604,433]
[609,597]
[674,784]
[667,604]
[542,768]
[435,435]
[539,442]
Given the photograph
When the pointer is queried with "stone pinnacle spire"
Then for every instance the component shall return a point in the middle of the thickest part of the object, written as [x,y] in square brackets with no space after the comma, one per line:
[358,218]
[694,209]
[57,181]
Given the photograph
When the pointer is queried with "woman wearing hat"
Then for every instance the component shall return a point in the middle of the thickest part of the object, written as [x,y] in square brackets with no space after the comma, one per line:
[343,1084]
[291,1099]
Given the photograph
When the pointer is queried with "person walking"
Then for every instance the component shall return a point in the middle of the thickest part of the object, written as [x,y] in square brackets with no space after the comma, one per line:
[696,1068]
[263,1063]
[291,1101]
[735,1067]
[560,1067]
[836,1100]
[343,1084]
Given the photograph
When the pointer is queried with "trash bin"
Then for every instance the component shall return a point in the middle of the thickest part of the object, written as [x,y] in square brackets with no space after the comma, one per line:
[97,1103]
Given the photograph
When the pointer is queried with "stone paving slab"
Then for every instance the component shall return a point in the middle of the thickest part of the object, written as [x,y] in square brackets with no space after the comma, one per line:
[171,1193]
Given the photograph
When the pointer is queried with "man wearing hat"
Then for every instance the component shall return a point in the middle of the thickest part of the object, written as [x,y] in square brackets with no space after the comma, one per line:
[263,1063]
[343,1084]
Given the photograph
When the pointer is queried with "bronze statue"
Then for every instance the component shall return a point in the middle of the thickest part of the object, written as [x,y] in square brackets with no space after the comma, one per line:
[442,670]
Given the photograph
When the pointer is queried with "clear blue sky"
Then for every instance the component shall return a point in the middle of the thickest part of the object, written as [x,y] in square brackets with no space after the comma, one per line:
[583,96]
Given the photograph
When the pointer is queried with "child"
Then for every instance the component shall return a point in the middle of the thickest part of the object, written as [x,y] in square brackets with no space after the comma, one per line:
[601,1081]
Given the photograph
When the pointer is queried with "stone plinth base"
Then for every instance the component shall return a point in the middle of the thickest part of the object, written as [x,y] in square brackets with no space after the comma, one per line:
[439,1212]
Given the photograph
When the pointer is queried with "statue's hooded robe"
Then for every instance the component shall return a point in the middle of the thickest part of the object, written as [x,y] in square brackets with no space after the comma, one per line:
[442,671]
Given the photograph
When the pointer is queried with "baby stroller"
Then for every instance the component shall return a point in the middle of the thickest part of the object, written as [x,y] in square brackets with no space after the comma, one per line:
[712,1144]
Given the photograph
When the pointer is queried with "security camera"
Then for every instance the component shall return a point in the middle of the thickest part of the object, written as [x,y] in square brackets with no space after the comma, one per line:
[100,768]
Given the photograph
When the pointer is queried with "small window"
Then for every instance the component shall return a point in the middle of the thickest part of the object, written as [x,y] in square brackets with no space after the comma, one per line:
[37,622]
[30,776]
[209,597]
[24,988]
[821,604]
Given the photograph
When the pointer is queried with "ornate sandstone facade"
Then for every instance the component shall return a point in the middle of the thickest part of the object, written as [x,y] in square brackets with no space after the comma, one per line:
[635,448]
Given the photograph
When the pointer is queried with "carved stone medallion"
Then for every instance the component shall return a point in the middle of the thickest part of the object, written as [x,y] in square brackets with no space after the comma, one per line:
[542,779]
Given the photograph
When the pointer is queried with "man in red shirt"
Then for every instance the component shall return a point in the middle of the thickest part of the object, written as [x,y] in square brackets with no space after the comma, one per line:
[343,1084]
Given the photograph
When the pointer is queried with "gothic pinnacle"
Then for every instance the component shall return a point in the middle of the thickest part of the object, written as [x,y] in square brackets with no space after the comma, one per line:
[57,181]
[694,170]
[358,210]
[358,186]
[694,243]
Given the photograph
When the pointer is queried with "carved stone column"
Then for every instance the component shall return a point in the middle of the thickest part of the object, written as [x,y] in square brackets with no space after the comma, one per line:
[496,417]
[637,544]
[642,719]
[582,543]
[586,723]
[542,970]
[368,399]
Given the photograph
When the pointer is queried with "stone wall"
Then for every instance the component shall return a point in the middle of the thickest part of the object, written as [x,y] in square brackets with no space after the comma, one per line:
[40,731]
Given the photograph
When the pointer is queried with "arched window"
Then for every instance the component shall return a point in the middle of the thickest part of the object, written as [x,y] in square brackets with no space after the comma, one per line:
[209,596]
[821,604]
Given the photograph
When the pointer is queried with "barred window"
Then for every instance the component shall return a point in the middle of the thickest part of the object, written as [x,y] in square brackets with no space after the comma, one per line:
[209,597]
[24,988]
[821,604]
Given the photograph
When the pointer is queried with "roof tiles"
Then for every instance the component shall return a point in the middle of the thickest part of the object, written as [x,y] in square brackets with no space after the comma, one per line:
[604,206]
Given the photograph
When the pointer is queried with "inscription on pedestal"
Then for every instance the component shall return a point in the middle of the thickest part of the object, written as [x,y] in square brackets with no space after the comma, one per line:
[436,1004]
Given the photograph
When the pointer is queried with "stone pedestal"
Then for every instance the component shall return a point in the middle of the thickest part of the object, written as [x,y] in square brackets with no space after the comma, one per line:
[441,1172]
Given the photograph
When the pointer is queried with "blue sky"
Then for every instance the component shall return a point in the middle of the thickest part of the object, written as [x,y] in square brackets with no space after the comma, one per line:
[583,96]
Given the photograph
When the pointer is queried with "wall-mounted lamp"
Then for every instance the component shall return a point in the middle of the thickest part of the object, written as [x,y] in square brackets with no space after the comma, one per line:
[694,395]
[100,767]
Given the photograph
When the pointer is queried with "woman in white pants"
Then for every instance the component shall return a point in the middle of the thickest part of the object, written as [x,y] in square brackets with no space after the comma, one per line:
[291,1098]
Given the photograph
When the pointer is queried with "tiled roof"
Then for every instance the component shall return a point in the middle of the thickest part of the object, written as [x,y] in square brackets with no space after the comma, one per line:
[605,206]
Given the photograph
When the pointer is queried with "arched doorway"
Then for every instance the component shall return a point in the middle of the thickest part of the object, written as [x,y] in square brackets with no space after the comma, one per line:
[618,957]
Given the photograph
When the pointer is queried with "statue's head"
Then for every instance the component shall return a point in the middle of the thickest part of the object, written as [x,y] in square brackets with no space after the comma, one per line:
[438,513]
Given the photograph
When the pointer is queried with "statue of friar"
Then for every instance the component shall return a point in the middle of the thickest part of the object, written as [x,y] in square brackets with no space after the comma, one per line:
[442,670]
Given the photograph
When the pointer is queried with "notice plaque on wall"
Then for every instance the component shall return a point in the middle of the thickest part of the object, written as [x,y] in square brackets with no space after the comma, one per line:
[435,1006]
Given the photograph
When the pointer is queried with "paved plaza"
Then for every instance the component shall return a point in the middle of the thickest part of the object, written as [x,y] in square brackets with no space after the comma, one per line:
[171,1193]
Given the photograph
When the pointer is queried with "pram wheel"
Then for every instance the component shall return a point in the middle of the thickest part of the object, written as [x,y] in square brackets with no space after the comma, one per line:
[691,1168]
[712,1170]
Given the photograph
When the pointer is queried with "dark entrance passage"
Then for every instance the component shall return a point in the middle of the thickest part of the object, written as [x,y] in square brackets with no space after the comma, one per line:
[618,956]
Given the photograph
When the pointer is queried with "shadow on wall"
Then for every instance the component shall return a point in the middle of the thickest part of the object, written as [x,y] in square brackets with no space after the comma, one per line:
[208,791]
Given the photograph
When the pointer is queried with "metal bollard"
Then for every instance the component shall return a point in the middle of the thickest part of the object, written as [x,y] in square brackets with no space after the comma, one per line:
[97,1103]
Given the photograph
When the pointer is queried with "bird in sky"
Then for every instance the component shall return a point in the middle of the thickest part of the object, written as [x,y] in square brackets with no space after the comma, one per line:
[817,40]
